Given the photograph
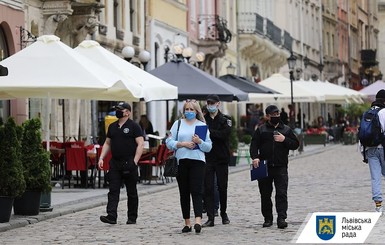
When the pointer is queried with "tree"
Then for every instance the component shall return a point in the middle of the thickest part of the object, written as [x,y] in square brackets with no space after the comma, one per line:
[35,159]
[12,181]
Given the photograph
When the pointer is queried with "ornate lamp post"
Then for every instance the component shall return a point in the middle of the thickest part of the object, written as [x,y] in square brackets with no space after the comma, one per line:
[144,56]
[291,62]
[231,69]
[254,69]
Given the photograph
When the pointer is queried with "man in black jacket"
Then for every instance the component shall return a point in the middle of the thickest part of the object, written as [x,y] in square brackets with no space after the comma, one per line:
[271,142]
[217,160]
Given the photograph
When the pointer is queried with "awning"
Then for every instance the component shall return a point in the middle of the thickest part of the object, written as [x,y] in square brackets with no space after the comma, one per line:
[153,87]
[194,83]
[282,85]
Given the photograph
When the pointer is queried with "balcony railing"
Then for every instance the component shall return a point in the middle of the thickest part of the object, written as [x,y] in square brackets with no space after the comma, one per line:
[213,27]
[253,23]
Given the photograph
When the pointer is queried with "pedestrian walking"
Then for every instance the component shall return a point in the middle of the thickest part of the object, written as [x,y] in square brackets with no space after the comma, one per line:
[125,141]
[284,116]
[375,154]
[190,152]
[217,160]
[271,142]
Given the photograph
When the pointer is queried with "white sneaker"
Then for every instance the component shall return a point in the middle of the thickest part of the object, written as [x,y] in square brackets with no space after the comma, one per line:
[380,209]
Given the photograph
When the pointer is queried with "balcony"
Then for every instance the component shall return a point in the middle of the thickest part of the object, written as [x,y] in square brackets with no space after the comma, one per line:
[213,28]
[262,42]
[253,23]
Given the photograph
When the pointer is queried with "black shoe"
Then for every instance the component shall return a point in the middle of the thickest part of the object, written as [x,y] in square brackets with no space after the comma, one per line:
[225,219]
[108,219]
[267,223]
[198,228]
[130,222]
[216,213]
[281,224]
[186,229]
[209,223]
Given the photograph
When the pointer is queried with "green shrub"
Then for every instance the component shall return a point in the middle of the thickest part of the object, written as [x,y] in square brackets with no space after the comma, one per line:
[12,181]
[246,139]
[233,136]
[35,159]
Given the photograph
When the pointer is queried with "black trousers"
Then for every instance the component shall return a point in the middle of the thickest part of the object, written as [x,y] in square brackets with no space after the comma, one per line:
[221,172]
[279,176]
[190,182]
[116,178]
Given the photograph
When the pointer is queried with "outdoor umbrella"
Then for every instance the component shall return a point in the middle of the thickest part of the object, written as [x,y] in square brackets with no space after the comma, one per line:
[194,83]
[333,93]
[300,94]
[153,87]
[50,69]
[372,89]
[257,93]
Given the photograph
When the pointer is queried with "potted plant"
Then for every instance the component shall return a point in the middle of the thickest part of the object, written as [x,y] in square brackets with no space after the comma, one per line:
[12,183]
[246,138]
[36,169]
[233,143]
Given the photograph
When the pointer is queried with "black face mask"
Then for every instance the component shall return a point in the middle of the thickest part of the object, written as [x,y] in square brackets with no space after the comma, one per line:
[274,120]
[119,114]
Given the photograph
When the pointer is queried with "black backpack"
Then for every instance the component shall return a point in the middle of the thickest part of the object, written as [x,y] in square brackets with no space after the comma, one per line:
[370,132]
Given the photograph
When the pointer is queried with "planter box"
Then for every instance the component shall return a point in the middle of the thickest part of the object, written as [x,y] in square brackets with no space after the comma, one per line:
[350,138]
[311,139]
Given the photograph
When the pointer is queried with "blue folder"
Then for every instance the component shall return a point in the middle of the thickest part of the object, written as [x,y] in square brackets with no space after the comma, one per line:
[201,131]
[260,172]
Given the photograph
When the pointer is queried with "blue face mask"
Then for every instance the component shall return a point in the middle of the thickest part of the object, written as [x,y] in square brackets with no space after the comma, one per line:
[190,115]
[212,108]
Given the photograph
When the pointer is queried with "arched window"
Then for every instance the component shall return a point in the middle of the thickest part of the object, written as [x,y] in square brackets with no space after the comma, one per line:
[4,53]
[3,45]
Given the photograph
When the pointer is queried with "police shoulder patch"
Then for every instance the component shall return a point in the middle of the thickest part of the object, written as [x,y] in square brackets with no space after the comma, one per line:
[229,122]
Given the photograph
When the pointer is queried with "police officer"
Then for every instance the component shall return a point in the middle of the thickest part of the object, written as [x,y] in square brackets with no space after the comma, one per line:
[125,140]
[217,160]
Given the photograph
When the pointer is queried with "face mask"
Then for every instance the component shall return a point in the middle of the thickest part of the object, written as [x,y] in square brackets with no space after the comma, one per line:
[119,114]
[274,120]
[212,108]
[189,115]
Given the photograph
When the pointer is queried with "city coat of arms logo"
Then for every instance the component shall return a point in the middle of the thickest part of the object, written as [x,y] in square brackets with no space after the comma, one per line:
[326,227]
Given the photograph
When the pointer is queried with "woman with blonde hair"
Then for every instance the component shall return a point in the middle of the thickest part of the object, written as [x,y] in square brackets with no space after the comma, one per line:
[190,152]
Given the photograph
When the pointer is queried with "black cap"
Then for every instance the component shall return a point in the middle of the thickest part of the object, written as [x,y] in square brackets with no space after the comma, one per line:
[123,105]
[380,94]
[213,98]
[271,109]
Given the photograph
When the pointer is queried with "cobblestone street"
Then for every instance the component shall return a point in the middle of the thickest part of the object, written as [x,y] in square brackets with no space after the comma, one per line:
[334,180]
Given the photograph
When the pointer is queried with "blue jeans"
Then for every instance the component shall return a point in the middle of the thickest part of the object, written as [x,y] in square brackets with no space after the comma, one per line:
[377,167]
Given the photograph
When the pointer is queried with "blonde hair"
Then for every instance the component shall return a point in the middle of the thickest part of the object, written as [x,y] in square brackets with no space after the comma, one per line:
[194,104]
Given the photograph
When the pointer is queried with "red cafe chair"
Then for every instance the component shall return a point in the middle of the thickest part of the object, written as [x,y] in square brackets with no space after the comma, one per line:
[76,160]
[106,164]
[153,160]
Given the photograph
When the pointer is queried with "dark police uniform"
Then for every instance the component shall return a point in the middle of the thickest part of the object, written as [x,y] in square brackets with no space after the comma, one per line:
[217,162]
[123,148]
[276,154]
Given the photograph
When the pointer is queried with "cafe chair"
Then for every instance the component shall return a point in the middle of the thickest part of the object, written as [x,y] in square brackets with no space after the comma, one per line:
[76,159]
[153,160]
[106,165]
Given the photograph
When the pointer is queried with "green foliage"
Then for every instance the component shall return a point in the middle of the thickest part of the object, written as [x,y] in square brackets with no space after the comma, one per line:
[35,159]
[354,110]
[12,181]
[246,138]
[233,136]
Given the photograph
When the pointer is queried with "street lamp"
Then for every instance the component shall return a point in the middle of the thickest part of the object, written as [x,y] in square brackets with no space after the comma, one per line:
[144,56]
[291,62]
[231,69]
[254,69]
